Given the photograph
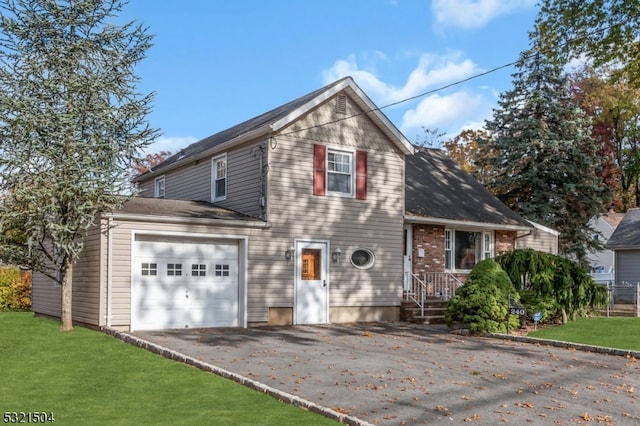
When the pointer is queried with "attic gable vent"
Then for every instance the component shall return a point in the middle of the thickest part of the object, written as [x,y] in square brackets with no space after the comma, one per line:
[341,104]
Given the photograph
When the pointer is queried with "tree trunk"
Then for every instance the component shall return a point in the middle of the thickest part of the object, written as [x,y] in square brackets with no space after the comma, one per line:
[66,319]
[565,318]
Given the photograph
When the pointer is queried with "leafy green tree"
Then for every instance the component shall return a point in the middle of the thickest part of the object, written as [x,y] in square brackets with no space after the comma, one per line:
[545,163]
[605,31]
[482,302]
[71,124]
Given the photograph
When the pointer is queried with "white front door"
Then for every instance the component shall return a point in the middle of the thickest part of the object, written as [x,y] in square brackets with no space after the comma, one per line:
[311,283]
[408,258]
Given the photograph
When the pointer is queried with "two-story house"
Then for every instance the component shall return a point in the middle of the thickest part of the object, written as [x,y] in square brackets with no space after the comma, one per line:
[317,211]
[292,217]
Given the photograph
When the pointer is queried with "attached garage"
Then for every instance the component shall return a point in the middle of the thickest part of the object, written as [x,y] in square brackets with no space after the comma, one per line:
[178,283]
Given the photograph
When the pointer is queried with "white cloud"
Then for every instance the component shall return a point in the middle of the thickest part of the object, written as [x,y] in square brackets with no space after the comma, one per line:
[446,113]
[430,72]
[172,144]
[473,13]
[449,111]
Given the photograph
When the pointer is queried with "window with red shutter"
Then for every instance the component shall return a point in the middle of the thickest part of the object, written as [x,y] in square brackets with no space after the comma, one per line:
[341,173]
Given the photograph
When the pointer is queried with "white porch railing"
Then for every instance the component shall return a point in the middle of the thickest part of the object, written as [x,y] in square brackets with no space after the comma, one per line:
[418,288]
[603,277]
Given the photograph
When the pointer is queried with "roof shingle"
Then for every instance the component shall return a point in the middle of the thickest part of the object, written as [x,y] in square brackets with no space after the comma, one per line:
[437,187]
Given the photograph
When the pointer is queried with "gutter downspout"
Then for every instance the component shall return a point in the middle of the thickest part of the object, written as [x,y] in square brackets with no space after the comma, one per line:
[109,270]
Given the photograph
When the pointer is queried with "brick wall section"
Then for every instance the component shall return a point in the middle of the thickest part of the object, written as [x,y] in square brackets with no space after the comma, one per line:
[431,239]
[504,241]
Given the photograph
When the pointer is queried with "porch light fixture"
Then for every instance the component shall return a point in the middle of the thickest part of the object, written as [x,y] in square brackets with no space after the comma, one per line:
[288,254]
[336,255]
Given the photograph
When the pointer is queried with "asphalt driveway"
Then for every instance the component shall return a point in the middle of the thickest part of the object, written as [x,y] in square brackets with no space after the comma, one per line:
[394,374]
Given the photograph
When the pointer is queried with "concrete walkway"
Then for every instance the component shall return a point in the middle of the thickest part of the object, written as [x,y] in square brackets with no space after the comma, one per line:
[396,374]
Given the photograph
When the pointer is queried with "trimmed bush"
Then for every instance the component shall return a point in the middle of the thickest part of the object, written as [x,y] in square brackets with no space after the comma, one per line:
[15,289]
[482,303]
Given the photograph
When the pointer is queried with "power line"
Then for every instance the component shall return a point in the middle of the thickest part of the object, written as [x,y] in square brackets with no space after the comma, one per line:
[455,83]
[429,92]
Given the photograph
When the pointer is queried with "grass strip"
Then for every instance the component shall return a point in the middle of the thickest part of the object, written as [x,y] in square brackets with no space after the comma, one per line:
[618,332]
[86,377]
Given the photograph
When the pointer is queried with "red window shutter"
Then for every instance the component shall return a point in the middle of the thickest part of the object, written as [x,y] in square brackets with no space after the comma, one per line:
[361,175]
[319,170]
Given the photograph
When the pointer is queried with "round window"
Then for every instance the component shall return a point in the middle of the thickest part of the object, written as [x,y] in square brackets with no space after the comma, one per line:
[362,258]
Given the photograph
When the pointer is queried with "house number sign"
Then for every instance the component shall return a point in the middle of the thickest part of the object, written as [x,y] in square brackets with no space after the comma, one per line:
[518,311]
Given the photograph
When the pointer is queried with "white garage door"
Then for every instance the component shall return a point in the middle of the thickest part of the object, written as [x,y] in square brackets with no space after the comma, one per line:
[179,284]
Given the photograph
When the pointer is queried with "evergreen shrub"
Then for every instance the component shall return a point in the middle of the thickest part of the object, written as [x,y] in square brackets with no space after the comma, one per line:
[482,303]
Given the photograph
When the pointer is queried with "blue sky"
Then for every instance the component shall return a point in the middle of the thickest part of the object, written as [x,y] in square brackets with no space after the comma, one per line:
[216,63]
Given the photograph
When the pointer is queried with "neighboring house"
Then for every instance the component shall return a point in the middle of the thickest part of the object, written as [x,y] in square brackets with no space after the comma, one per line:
[295,216]
[539,238]
[451,223]
[603,262]
[625,243]
[299,221]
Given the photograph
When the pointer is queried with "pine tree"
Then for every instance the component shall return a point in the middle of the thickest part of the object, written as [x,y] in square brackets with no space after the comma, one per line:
[71,124]
[545,162]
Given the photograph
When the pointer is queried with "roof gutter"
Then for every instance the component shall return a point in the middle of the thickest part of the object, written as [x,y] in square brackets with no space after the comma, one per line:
[624,247]
[190,221]
[245,137]
[464,223]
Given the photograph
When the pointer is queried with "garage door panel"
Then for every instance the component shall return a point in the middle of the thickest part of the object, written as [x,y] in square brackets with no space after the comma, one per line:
[178,285]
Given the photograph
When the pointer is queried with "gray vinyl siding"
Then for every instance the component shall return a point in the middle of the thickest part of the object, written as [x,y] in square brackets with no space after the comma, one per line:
[193,181]
[243,179]
[86,299]
[538,240]
[627,275]
[86,281]
[628,266]
[45,296]
[375,223]
[145,189]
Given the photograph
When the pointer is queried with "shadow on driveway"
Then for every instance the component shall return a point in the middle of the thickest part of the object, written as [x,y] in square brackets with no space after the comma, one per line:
[395,373]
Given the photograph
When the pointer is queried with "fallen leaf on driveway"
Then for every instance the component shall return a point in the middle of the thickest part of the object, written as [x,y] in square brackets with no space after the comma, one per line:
[440,409]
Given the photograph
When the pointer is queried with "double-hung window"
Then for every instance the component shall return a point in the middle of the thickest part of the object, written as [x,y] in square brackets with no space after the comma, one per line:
[159,185]
[219,178]
[340,172]
[463,249]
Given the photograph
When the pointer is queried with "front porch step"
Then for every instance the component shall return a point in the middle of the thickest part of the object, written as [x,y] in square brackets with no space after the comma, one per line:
[433,312]
[428,319]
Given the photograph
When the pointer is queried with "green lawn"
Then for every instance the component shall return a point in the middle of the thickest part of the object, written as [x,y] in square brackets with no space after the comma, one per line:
[86,377]
[619,332]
